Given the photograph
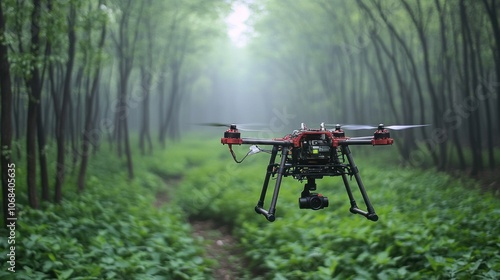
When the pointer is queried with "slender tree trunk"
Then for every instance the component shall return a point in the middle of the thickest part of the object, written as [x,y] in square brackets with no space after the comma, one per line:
[7,167]
[492,8]
[436,106]
[467,87]
[145,135]
[161,112]
[89,116]
[447,81]
[174,91]
[34,99]
[17,110]
[60,130]
[413,67]
[42,156]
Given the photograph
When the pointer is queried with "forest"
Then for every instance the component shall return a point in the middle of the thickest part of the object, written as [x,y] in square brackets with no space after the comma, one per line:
[112,113]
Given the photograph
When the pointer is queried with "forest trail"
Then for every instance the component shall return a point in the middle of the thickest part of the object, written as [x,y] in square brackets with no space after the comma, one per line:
[218,241]
[220,246]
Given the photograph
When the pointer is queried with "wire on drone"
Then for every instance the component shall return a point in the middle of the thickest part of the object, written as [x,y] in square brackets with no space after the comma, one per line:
[234,156]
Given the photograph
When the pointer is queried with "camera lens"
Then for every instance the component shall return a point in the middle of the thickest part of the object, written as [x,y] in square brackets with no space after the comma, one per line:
[315,202]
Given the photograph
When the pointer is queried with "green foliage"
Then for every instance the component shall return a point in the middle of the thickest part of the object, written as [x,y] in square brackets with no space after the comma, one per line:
[111,231]
[431,225]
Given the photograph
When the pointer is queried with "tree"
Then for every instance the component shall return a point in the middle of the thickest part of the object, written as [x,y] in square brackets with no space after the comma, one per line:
[6,165]
[94,75]
[64,106]
[125,44]
[33,105]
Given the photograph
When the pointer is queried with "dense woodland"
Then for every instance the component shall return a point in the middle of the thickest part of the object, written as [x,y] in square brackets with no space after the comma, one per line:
[85,78]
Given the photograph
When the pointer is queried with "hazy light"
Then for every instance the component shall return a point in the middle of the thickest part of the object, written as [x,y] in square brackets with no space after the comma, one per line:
[237,28]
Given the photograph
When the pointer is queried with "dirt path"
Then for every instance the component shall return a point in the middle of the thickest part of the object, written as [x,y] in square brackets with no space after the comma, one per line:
[220,245]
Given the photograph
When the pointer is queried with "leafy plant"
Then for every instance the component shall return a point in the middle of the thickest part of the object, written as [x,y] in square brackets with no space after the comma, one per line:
[431,225]
[110,231]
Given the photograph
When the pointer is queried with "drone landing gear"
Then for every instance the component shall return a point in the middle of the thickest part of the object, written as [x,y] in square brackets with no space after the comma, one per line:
[270,214]
[309,200]
[370,215]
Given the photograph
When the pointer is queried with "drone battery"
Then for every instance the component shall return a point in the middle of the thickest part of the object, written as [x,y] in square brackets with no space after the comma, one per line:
[316,149]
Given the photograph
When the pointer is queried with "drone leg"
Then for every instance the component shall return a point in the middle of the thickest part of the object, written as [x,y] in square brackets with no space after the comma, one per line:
[370,215]
[270,215]
[269,172]
[349,192]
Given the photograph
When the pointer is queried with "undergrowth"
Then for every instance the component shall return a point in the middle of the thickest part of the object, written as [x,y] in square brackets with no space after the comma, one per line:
[431,225]
[110,231]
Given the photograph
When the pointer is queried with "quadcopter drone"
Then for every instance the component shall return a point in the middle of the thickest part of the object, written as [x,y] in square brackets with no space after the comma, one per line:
[311,154]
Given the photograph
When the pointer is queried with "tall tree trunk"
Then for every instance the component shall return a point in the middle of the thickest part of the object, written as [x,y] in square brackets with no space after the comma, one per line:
[436,106]
[413,68]
[174,91]
[468,88]
[161,111]
[6,165]
[492,8]
[42,156]
[145,135]
[90,98]
[34,99]
[61,122]
[447,81]
[483,92]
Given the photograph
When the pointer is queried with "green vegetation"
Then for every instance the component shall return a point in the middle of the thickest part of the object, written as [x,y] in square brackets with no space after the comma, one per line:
[431,225]
[111,231]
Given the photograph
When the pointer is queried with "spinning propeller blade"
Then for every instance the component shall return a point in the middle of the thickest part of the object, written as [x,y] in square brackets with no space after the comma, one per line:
[393,127]
[401,127]
[357,127]
[242,127]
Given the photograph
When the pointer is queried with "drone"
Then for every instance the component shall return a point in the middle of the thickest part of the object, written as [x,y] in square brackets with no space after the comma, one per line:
[311,154]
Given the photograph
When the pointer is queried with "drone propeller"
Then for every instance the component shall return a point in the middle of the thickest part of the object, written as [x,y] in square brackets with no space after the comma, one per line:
[381,126]
[361,137]
[242,127]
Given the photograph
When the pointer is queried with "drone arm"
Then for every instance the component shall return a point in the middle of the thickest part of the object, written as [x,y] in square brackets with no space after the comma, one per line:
[373,142]
[355,142]
[265,142]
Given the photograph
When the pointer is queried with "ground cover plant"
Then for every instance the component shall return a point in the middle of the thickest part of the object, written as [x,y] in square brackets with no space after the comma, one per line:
[431,226]
[110,231]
